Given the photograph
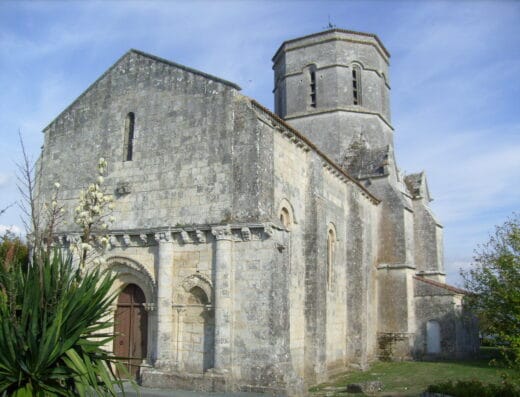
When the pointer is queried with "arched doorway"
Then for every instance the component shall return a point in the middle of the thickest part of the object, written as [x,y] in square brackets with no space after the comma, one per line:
[131,328]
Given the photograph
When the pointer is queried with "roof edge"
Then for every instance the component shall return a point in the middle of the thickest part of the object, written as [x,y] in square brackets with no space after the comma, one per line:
[150,56]
[447,287]
[186,68]
[372,35]
[315,149]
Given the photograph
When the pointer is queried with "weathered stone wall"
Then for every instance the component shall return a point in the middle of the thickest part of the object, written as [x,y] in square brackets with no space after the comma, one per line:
[291,181]
[428,253]
[181,172]
[334,121]
[396,223]
[334,131]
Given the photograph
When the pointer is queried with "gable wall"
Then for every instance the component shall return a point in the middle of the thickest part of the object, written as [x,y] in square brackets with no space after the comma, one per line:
[181,168]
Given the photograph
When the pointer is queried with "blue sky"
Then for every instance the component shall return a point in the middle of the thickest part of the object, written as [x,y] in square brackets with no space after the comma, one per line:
[454,78]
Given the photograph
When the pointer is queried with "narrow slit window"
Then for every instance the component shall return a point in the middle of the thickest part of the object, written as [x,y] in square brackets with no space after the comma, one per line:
[356,85]
[313,88]
[331,241]
[129,137]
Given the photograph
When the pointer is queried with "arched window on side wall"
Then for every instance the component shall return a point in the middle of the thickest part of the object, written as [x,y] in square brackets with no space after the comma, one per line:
[285,217]
[356,85]
[128,148]
[331,254]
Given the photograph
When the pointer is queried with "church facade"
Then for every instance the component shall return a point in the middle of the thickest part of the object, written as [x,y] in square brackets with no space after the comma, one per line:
[256,250]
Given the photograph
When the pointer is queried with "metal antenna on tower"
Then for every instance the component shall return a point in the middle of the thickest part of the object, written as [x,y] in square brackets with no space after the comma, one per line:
[330,25]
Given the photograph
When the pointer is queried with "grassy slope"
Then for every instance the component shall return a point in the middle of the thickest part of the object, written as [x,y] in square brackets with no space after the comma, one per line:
[410,378]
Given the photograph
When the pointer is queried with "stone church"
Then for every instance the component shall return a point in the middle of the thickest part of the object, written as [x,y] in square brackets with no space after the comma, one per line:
[260,251]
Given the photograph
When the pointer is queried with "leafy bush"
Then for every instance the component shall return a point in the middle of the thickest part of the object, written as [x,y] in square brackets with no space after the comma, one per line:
[13,249]
[473,388]
[494,283]
[52,330]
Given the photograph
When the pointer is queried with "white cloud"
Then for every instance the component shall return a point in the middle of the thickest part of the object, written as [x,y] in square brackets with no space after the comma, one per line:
[11,229]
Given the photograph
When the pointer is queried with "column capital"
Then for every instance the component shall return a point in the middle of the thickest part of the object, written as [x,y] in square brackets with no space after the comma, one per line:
[222,232]
[163,237]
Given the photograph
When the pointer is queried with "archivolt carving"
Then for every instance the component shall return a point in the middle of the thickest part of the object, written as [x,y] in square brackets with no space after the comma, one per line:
[122,265]
[198,280]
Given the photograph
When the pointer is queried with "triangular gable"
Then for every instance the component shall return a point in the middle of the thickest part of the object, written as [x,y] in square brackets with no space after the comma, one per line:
[155,59]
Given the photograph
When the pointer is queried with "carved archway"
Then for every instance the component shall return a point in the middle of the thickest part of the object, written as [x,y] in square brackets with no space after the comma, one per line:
[130,271]
[286,214]
[198,323]
[199,281]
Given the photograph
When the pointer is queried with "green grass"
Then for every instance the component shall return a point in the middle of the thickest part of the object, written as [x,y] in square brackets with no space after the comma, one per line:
[410,378]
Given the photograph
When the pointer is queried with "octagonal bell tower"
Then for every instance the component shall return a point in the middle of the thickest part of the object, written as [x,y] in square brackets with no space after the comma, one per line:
[333,86]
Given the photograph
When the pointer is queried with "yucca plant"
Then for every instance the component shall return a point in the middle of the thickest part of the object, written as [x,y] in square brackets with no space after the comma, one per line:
[53,326]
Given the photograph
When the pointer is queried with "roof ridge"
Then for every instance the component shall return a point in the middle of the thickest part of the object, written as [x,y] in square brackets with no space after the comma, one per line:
[442,285]
[186,68]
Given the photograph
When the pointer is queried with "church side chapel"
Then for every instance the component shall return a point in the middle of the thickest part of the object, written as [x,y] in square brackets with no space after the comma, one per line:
[260,251]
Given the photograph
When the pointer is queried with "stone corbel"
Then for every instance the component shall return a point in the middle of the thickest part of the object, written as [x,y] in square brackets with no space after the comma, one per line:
[201,236]
[144,238]
[185,237]
[268,229]
[113,241]
[222,232]
[246,234]
[126,239]
[163,236]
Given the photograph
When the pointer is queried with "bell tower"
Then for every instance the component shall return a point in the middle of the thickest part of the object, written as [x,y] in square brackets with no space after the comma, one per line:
[333,86]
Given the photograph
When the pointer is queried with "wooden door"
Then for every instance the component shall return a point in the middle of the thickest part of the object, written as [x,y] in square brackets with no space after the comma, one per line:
[131,326]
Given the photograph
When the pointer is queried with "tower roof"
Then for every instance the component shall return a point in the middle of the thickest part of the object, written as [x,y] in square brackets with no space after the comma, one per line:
[335,30]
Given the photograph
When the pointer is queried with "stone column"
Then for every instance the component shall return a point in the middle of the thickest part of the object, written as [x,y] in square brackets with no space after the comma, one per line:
[151,314]
[223,297]
[163,349]
[179,328]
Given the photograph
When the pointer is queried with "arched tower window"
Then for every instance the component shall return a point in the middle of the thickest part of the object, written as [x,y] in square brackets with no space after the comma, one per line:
[129,137]
[286,214]
[356,85]
[331,254]
[285,217]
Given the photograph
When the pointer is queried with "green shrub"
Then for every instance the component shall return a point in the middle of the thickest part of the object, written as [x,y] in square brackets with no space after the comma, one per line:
[53,328]
[475,388]
[13,250]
